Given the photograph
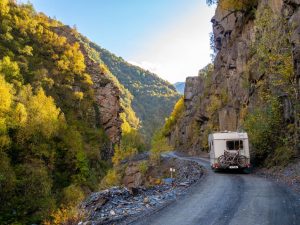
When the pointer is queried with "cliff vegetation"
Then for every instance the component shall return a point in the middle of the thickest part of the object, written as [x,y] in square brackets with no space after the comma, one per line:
[252,86]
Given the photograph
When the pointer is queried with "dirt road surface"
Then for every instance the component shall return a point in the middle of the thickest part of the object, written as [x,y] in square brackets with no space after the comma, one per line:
[230,199]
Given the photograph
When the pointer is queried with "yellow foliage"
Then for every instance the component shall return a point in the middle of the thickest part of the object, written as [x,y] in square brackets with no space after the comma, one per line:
[87,79]
[178,108]
[64,216]
[126,128]
[131,143]
[27,50]
[19,115]
[123,153]
[237,4]
[43,115]
[78,95]
[4,7]
[6,98]
[72,195]
[72,60]
[143,167]
[5,95]
[104,69]
[175,115]
[10,70]
[112,178]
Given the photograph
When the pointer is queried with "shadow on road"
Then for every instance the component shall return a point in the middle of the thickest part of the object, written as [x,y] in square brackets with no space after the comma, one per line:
[228,171]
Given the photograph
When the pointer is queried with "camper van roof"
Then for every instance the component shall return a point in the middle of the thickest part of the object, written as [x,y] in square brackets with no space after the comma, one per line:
[229,135]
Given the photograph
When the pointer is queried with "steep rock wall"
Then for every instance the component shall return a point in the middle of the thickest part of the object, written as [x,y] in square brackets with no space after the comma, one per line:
[219,101]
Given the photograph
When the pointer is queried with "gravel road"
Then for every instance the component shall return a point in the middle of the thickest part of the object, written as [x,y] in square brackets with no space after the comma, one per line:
[230,199]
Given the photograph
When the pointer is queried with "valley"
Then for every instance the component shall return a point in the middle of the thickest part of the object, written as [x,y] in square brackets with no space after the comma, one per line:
[89,138]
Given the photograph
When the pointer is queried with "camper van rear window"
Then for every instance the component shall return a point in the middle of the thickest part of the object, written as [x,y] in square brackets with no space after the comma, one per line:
[234,145]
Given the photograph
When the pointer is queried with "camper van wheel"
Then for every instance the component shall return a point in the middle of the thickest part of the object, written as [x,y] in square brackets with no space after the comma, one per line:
[223,162]
[242,161]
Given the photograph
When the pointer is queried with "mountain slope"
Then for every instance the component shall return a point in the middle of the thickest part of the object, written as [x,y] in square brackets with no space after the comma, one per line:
[93,58]
[180,87]
[62,111]
[153,97]
[60,116]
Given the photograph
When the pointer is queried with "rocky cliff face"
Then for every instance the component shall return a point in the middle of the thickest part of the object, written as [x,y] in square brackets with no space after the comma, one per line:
[108,108]
[220,100]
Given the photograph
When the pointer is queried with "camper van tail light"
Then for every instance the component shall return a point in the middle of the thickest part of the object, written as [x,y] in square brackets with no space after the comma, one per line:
[216,165]
[248,165]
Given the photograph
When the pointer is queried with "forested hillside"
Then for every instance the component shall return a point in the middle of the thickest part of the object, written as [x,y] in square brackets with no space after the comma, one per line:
[145,98]
[153,98]
[62,112]
[52,141]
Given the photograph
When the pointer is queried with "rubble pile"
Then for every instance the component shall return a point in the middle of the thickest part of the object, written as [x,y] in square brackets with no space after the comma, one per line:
[119,204]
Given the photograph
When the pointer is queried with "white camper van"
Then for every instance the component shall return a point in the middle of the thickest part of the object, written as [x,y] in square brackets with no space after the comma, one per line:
[229,150]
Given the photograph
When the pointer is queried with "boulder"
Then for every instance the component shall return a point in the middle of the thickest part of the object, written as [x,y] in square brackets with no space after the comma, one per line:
[133,177]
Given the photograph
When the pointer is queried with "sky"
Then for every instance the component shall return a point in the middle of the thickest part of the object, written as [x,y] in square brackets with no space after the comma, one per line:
[167,37]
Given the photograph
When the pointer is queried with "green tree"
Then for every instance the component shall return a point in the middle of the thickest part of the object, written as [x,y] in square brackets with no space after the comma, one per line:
[43,115]
[174,117]
[159,144]
[10,70]
[34,200]
[264,129]
[7,185]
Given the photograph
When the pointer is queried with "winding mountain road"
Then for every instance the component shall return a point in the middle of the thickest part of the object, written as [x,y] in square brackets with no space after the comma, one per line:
[230,199]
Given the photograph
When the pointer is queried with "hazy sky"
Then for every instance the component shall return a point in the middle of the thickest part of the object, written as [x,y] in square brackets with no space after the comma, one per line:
[168,37]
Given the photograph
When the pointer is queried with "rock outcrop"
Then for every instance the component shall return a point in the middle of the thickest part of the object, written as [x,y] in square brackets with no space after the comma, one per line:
[183,133]
[108,108]
[108,101]
[220,100]
[133,176]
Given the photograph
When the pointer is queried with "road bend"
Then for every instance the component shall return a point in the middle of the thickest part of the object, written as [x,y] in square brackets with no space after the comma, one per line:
[230,199]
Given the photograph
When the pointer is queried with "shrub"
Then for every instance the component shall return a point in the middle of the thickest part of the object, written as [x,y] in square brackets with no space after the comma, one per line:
[159,144]
[264,126]
[112,178]
[143,167]
[282,157]
[123,153]
[72,195]
[175,116]
[236,5]
[215,104]
[64,216]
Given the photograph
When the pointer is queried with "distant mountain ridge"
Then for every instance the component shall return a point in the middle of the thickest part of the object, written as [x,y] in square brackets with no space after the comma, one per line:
[153,97]
[180,87]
